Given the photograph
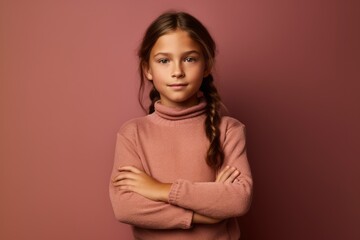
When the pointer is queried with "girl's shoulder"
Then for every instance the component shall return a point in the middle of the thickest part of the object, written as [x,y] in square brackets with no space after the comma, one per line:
[232,129]
[228,123]
[131,126]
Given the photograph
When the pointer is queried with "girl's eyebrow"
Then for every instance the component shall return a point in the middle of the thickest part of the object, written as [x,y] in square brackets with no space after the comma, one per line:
[184,53]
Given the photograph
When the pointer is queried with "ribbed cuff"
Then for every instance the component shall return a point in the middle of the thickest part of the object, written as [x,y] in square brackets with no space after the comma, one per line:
[174,192]
[187,221]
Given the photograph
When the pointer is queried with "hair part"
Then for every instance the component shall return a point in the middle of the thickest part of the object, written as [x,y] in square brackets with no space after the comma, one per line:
[168,22]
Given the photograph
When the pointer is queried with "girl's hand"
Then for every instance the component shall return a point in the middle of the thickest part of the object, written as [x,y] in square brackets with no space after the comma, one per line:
[227,175]
[198,218]
[134,180]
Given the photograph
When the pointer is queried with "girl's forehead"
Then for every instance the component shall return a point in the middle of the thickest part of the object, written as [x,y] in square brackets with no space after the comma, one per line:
[175,42]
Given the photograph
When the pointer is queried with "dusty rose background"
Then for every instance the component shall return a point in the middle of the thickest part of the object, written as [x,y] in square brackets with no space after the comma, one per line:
[288,69]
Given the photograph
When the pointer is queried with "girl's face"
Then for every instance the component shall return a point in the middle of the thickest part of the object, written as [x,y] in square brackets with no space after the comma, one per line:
[176,68]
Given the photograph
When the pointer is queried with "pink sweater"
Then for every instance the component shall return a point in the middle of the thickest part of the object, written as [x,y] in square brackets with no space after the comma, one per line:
[170,145]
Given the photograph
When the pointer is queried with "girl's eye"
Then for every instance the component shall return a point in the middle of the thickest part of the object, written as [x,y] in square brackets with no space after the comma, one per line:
[190,59]
[163,60]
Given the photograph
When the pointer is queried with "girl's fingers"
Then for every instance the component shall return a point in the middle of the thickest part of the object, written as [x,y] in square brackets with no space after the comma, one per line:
[127,172]
[226,174]
[219,176]
[130,169]
[125,182]
[232,177]
[124,175]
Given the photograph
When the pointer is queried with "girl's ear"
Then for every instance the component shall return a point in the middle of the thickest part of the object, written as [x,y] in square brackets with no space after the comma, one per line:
[147,72]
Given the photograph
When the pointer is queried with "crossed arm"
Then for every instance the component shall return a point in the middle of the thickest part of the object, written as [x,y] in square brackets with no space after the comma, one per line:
[132,179]
[137,198]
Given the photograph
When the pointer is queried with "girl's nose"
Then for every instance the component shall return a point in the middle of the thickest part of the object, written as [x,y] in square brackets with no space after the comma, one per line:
[178,71]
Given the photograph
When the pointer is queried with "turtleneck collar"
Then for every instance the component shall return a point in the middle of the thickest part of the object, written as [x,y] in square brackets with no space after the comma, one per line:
[180,113]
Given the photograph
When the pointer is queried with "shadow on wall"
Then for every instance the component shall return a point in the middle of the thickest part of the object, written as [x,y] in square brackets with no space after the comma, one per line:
[292,133]
[294,88]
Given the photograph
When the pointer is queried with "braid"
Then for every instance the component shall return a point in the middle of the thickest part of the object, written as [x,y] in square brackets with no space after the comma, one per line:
[154,96]
[215,154]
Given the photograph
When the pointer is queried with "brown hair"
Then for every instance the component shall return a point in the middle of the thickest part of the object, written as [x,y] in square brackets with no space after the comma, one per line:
[171,21]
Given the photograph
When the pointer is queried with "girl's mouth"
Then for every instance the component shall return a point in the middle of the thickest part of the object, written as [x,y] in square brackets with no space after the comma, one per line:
[177,86]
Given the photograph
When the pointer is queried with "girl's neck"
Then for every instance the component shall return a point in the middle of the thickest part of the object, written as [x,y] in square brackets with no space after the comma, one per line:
[182,105]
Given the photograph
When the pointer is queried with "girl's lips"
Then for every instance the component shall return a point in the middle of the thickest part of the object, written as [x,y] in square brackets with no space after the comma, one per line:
[177,85]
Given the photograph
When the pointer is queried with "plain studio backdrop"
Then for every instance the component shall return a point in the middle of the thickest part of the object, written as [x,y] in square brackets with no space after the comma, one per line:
[288,69]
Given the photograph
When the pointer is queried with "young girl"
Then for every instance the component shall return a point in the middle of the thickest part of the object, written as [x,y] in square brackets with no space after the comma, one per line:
[180,172]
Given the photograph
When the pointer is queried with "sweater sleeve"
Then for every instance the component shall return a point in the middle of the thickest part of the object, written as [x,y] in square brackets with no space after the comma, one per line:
[134,209]
[220,200]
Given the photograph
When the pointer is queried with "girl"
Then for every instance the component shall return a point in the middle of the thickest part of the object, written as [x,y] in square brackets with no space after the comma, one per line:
[180,172]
